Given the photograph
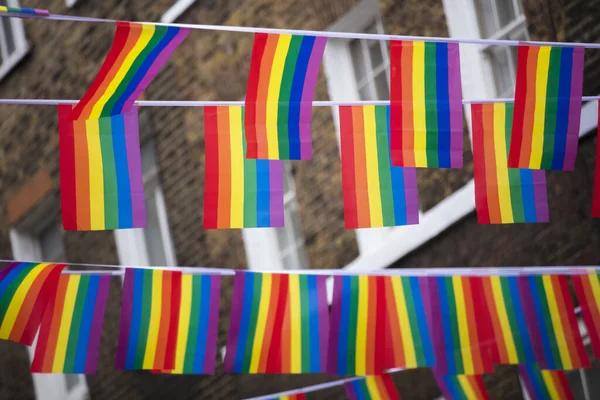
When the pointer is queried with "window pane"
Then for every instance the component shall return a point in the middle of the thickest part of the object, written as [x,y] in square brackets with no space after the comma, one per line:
[149,165]
[502,66]
[152,233]
[381,86]
[375,53]
[485,15]
[506,11]
[358,60]
[365,92]
[283,235]
[51,243]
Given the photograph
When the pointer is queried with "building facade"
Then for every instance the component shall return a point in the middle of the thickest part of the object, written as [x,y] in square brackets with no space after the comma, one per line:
[50,59]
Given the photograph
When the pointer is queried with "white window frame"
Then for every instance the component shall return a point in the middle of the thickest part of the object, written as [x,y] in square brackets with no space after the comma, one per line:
[176,10]
[21,45]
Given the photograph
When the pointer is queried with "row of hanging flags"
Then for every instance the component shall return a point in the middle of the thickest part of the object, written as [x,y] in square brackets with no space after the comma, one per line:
[381,146]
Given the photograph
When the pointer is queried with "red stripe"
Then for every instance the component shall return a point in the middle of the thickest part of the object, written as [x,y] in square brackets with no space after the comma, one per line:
[596,199]
[516,138]
[530,102]
[474,344]
[560,378]
[498,351]
[396,103]
[394,338]
[579,356]
[174,322]
[260,41]
[211,168]
[483,318]
[263,92]
[380,325]
[390,388]
[348,177]
[45,349]
[270,326]
[274,359]
[373,310]
[483,213]
[66,140]
[589,309]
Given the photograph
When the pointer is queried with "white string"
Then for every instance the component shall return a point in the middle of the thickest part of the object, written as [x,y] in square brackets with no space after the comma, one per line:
[337,35]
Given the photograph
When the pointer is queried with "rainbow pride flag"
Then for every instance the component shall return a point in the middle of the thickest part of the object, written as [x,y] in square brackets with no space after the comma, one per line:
[503,195]
[281,88]
[296,396]
[279,324]
[596,198]
[426,105]
[238,192]
[70,332]
[25,291]
[462,387]
[551,322]
[376,194]
[34,12]
[101,185]
[512,344]
[460,325]
[149,319]
[587,288]
[377,387]
[544,384]
[545,128]
[137,54]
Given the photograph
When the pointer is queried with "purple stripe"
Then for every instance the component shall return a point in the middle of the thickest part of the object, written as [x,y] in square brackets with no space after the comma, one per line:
[334,328]
[439,378]
[91,362]
[456,108]
[308,94]
[7,269]
[213,325]
[540,196]
[350,392]
[134,163]
[431,304]
[276,192]
[155,68]
[527,380]
[323,319]
[574,110]
[125,325]
[234,320]
[411,194]
[531,319]
[41,11]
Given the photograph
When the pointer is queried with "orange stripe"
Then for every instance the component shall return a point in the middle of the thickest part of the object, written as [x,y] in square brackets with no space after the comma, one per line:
[372,319]
[475,345]
[165,318]
[56,318]
[530,100]
[498,334]
[286,338]
[261,96]
[491,178]
[408,135]
[270,324]
[394,334]
[224,196]
[475,382]
[82,176]
[563,310]
[360,168]
[381,388]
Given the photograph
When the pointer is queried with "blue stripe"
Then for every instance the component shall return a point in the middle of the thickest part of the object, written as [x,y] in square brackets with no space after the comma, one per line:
[453,387]
[564,102]
[296,95]
[204,311]
[422,321]
[360,388]
[398,189]
[122,170]
[520,319]
[313,313]
[7,280]
[535,376]
[263,194]
[244,322]
[86,325]
[342,359]
[443,104]
[447,327]
[136,318]
[528,195]
[540,323]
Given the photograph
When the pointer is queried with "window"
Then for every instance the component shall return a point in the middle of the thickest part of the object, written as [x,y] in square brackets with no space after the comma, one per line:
[13,45]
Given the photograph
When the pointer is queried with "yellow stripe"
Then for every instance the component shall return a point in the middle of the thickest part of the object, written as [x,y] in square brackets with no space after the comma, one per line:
[506,211]
[467,389]
[155,314]
[361,328]
[550,385]
[404,321]
[419,118]
[145,37]
[372,167]
[4,9]
[563,348]
[58,364]
[463,326]
[283,45]
[296,332]
[96,172]
[372,387]
[539,115]
[12,312]
[237,167]
[185,312]
[263,310]
[500,305]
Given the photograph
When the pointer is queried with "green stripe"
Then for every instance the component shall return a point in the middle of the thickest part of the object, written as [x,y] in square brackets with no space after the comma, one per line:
[460,366]
[430,105]
[551,107]
[109,171]
[514,329]
[284,97]
[305,324]
[9,293]
[548,321]
[145,320]
[414,324]
[352,325]
[249,185]
[256,298]
[190,349]
[383,158]
[73,340]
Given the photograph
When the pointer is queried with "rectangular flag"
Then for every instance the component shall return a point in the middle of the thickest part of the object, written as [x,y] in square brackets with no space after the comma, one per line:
[426,105]
[279,324]
[376,193]
[238,192]
[462,387]
[377,387]
[544,384]
[281,88]
[25,291]
[545,128]
[596,196]
[33,12]
[69,338]
[295,396]
[101,185]
[149,319]
[503,195]
[587,288]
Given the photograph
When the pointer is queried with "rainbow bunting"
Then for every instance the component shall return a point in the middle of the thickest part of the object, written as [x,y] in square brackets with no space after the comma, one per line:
[137,54]
[426,105]
[281,88]
[462,387]
[378,387]
[279,324]
[101,172]
[503,195]
[587,288]
[375,193]
[70,332]
[149,319]
[551,322]
[26,11]
[238,192]
[25,291]
[596,198]
[460,325]
[545,128]
[544,384]
[296,396]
